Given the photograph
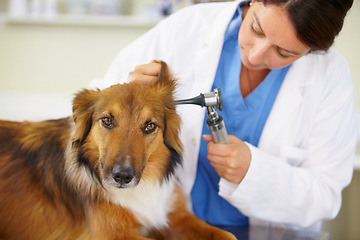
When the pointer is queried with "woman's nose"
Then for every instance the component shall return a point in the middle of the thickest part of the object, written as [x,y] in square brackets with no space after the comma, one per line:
[258,52]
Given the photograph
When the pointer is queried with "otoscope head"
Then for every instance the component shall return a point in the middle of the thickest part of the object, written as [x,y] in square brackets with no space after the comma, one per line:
[212,99]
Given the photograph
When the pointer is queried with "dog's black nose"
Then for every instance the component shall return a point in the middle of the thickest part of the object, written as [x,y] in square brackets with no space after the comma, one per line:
[123,174]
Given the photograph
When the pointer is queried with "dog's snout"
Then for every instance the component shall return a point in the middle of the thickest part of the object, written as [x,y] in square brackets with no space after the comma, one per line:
[123,174]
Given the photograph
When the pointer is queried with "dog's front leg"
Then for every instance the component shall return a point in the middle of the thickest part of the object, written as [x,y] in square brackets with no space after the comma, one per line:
[186,226]
[108,221]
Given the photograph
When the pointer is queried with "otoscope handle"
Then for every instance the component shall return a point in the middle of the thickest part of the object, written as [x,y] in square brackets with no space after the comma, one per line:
[217,126]
[218,132]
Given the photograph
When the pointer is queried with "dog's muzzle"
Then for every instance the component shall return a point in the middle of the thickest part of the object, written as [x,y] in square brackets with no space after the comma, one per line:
[123,174]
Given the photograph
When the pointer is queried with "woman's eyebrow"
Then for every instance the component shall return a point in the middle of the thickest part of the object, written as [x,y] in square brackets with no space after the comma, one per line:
[292,53]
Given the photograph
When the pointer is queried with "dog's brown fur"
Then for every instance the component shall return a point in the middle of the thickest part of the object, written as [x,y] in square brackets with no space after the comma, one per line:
[76,178]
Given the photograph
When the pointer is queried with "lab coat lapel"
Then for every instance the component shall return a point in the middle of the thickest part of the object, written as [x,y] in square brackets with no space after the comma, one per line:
[209,51]
[286,105]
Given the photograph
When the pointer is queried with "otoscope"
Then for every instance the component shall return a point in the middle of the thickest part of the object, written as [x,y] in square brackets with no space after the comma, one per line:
[215,122]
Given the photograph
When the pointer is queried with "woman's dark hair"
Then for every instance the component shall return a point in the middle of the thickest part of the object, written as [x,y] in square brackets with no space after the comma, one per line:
[317,22]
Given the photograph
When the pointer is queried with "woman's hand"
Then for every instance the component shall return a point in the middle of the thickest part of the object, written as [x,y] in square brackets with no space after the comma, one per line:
[231,161]
[146,73]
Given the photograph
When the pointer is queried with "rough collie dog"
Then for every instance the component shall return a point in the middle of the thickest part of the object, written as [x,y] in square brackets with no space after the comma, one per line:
[107,172]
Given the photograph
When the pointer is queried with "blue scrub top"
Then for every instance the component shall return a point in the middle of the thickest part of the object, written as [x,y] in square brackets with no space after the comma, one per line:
[244,118]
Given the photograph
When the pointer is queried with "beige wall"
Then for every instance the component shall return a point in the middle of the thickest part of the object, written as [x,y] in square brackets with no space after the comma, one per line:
[348,44]
[54,58]
[346,224]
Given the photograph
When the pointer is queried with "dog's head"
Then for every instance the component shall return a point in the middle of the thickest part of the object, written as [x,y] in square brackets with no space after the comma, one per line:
[129,132]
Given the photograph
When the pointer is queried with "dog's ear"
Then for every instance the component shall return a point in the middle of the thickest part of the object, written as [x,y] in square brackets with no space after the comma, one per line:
[172,131]
[164,74]
[83,108]
[166,86]
[166,81]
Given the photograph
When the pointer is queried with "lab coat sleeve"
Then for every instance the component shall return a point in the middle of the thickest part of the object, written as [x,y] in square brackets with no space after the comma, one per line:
[302,194]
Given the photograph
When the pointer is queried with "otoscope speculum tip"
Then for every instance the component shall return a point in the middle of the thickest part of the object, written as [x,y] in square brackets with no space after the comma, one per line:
[212,99]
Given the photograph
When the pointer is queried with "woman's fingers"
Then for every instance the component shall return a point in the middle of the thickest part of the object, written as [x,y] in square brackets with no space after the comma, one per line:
[146,73]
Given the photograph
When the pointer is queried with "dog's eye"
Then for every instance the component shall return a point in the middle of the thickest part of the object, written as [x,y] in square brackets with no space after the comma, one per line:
[150,127]
[107,122]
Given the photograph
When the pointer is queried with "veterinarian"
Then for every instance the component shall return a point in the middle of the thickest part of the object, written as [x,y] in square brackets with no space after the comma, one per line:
[288,105]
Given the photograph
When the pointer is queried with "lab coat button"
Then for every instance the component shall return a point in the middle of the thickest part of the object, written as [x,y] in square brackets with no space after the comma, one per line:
[193,142]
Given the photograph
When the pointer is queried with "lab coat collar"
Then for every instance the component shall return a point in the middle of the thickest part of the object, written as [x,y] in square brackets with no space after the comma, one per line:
[211,42]
[213,34]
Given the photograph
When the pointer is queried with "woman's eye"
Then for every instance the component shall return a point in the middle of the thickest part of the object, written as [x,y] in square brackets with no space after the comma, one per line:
[253,28]
[256,29]
[150,127]
[282,54]
[107,122]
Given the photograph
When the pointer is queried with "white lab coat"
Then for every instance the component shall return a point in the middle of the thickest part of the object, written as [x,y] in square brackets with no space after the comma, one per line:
[306,150]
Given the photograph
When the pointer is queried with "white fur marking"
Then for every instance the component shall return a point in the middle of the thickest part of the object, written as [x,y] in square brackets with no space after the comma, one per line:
[149,202]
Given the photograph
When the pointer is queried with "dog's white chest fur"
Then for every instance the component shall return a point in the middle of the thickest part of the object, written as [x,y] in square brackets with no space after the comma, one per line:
[149,202]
